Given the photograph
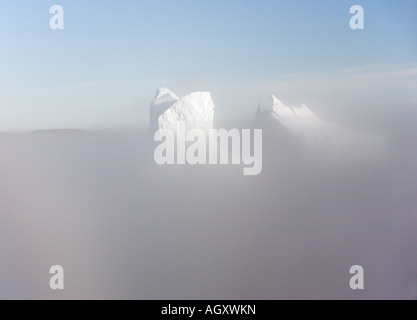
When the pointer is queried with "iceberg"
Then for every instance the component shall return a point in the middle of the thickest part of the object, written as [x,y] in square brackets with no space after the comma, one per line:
[303,124]
[195,110]
[164,99]
[298,120]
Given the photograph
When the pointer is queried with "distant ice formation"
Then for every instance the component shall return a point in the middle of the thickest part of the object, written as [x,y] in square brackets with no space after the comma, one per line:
[196,110]
[304,125]
[297,125]
[300,121]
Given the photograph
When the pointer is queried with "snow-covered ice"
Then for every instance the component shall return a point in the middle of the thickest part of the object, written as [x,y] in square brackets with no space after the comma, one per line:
[303,124]
[164,99]
[196,110]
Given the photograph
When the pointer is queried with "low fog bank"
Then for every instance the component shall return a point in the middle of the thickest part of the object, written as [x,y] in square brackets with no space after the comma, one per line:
[123,227]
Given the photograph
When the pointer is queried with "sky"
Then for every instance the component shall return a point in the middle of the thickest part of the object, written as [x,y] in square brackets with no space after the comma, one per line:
[104,68]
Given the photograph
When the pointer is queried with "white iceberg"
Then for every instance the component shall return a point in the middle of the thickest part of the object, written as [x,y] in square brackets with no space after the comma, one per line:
[302,123]
[164,99]
[195,110]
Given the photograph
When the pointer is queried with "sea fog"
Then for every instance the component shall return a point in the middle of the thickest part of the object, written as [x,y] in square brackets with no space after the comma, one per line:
[123,227]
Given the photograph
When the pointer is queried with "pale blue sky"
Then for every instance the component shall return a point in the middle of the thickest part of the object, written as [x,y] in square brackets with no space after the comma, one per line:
[103,69]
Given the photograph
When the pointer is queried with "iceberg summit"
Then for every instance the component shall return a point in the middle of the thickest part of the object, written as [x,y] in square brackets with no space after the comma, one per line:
[185,133]
[183,129]
[195,110]
[313,132]
[164,99]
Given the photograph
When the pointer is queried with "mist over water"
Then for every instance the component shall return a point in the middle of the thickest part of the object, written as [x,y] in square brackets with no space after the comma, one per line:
[123,227]
[339,175]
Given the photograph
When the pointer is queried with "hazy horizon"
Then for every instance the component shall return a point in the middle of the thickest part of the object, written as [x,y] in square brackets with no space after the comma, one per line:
[103,70]
[80,188]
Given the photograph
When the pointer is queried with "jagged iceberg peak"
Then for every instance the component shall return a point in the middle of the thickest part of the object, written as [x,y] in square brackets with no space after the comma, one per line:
[303,111]
[164,99]
[280,109]
[298,120]
[196,110]
[302,123]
